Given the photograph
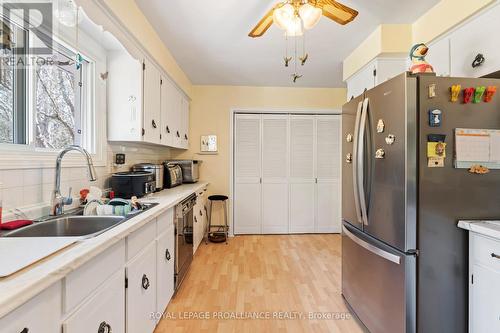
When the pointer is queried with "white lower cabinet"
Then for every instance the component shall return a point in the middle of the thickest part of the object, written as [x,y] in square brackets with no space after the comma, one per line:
[141,291]
[40,314]
[165,262]
[200,213]
[104,312]
[484,293]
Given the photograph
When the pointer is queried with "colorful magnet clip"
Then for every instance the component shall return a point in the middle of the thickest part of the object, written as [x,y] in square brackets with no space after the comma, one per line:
[490,92]
[455,92]
[435,118]
[478,94]
[468,92]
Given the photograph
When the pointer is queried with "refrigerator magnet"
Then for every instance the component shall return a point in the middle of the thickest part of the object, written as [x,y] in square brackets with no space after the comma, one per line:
[490,92]
[380,154]
[380,126]
[435,162]
[390,139]
[436,149]
[432,90]
[455,92]
[468,92]
[435,118]
[478,94]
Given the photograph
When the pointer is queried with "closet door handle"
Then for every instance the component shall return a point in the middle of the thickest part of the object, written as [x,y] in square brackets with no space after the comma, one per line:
[145,282]
[104,327]
[167,255]
[153,123]
[178,135]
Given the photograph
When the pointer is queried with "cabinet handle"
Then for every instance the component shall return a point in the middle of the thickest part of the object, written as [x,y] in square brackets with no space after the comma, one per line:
[25,330]
[201,213]
[104,327]
[478,61]
[167,255]
[178,135]
[168,129]
[185,136]
[496,256]
[153,123]
[206,211]
[195,220]
[145,282]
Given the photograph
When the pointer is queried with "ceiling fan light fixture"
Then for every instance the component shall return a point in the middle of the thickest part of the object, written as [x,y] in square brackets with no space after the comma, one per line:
[310,15]
[284,16]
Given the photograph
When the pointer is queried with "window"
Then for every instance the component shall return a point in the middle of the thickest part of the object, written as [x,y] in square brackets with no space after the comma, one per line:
[42,97]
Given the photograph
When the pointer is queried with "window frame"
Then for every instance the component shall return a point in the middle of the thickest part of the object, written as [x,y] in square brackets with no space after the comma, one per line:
[27,156]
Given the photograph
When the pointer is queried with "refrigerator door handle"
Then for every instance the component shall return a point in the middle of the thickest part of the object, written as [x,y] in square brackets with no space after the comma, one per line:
[361,159]
[355,163]
[373,249]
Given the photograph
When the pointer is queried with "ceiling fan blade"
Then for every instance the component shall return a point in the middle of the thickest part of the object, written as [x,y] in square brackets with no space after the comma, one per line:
[264,24]
[337,11]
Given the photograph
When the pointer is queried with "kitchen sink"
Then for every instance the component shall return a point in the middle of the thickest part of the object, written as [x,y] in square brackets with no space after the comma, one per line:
[69,226]
[74,225]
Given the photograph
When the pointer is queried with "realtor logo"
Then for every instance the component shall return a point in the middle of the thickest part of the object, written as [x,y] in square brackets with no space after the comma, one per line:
[35,17]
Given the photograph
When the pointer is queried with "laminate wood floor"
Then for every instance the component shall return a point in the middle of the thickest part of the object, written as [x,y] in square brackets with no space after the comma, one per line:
[246,285]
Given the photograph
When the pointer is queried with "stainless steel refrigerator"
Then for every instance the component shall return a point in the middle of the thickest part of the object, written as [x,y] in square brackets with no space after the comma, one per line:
[404,261]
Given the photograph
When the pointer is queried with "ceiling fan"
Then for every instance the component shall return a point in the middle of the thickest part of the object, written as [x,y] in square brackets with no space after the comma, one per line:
[291,15]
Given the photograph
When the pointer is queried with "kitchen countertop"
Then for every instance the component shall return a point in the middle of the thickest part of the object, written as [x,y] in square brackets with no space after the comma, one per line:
[486,228]
[22,286]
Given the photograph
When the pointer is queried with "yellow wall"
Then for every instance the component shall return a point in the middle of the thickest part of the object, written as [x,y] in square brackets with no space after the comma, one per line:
[387,39]
[209,114]
[133,18]
[444,16]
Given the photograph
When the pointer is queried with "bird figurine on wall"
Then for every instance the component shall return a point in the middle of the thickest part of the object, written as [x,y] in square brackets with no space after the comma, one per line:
[304,59]
[418,63]
[295,77]
[287,60]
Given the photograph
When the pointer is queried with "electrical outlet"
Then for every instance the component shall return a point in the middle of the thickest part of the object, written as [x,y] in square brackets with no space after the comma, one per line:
[120,159]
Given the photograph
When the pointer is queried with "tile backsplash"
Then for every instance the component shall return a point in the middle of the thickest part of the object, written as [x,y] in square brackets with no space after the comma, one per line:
[26,189]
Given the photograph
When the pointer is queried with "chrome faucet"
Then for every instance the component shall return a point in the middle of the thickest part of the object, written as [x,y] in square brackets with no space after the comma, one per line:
[58,200]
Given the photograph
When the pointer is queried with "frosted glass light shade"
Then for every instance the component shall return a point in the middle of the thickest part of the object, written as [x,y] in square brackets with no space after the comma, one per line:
[310,15]
[283,16]
[294,29]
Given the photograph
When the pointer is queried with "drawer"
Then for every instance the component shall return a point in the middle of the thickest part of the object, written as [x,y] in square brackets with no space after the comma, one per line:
[106,309]
[40,314]
[82,282]
[165,221]
[482,249]
[141,238]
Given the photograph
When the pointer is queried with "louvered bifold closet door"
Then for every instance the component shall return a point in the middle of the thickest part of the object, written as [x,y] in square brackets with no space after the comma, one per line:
[302,178]
[247,174]
[274,174]
[328,174]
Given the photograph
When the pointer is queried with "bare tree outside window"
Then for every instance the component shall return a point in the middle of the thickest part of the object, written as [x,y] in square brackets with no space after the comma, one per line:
[6,101]
[56,104]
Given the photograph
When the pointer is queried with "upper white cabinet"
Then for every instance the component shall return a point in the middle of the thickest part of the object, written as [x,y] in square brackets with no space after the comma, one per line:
[144,105]
[152,104]
[439,57]
[286,176]
[374,73]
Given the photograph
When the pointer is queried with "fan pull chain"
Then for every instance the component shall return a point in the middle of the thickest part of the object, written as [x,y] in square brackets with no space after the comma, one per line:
[305,55]
[286,58]
[296,76]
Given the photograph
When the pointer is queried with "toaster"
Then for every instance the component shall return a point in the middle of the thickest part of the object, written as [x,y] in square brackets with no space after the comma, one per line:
[173,175]
[190,169]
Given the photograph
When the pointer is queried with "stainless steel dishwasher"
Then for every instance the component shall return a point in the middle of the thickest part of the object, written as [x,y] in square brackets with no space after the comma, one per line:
[183,238]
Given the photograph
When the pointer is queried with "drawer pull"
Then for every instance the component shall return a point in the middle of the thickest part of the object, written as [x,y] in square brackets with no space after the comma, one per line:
[167,255]
[195,220]
[145,282]
[496,256]
[25,330]
[104,327]
[201,213]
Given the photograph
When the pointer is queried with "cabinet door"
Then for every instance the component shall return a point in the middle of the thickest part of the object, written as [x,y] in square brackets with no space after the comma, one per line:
[274,174]
[152,107]
[141,291]
[302,178]
[364,79]
[165,269]
[328,196]
[471,40]
[185,123]
[166,114]
[485,305]
[105,310]
[247,175]
[439,57]
[40,314]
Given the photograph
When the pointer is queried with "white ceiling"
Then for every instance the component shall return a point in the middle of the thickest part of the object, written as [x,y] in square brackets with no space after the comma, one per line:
[209,39]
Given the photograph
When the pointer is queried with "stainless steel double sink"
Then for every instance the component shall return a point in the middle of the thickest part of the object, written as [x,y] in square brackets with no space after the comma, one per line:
[74,225]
